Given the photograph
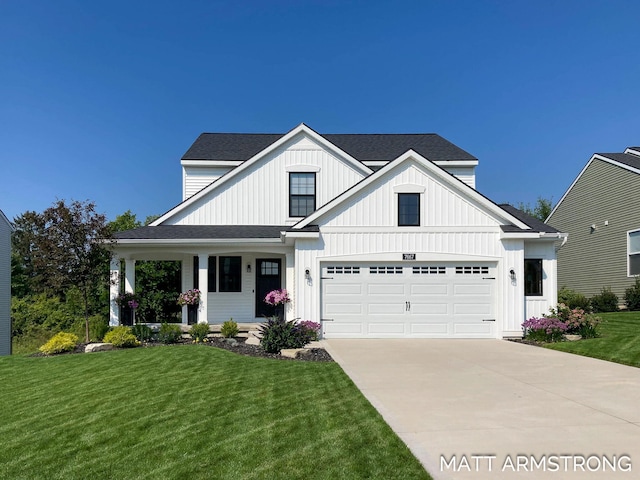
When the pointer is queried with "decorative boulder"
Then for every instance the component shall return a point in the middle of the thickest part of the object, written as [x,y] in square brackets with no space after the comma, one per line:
[98,347]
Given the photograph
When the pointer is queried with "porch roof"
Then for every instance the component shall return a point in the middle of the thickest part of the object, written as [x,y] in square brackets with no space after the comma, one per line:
[207,232]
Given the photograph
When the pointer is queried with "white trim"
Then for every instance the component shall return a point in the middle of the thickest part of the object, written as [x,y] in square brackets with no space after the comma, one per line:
[438,172]
[595,156]
[302,168]
[409,188]
[191,241]
[211,163]
[632,151]
[629,232]
[440,163]
[300,129]
[422,229]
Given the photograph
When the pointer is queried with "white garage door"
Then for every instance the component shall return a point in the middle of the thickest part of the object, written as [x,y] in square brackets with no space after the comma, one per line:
[438,300]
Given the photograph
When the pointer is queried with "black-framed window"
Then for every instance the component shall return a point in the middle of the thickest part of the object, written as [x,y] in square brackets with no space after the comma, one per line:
[302,193]
[230,274]
[409,209]
[533,277]
[634,253]
[196,271]
[211,274]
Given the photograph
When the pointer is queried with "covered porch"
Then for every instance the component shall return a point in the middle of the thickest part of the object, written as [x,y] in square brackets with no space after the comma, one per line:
[233,267]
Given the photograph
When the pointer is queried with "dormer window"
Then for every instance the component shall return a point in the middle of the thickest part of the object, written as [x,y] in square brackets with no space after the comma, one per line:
[408,209]
[302,193]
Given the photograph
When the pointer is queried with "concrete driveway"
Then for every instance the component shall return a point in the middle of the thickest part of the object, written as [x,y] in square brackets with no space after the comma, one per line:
[464,406]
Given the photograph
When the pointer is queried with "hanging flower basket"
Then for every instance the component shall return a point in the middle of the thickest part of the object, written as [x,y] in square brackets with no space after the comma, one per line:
[190,297]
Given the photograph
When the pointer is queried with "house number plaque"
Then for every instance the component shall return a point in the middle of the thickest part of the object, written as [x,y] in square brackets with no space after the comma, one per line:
[408,256]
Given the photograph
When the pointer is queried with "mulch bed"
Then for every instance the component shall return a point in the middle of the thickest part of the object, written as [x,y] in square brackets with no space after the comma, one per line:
[239,347]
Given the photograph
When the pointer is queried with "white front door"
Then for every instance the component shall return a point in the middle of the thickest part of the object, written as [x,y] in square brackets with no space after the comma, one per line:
[438,300]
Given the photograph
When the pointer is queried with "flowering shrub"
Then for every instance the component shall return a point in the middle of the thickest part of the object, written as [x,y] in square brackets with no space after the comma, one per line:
[190,297]
[578,321]
[545,329]
[277,297]
[310,329]
[278,333]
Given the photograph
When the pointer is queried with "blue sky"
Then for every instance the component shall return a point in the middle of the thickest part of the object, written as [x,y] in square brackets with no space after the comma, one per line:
[99,100]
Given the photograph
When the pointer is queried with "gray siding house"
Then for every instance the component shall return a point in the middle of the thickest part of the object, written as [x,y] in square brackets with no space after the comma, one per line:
[601,213]
[5,285]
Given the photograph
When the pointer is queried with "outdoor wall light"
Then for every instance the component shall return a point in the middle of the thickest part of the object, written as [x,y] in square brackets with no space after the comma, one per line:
[512,274]
[307,274]
[248,268]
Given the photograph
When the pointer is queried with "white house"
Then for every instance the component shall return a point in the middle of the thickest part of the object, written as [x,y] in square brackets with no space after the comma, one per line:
[372,235]
[5,284]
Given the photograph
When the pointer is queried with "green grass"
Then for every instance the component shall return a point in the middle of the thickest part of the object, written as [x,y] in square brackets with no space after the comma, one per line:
[619,340]
[190,412]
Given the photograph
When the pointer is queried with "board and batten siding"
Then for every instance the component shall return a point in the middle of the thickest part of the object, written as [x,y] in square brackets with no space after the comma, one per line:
[5,285]
[440,205]
[593,259]
[260,194]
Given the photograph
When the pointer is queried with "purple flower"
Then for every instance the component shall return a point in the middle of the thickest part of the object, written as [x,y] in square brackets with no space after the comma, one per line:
[277,297]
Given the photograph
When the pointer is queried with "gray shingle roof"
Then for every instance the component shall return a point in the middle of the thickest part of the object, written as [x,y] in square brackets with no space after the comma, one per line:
[177,232]
[631,160]
[535,224]
[385,147]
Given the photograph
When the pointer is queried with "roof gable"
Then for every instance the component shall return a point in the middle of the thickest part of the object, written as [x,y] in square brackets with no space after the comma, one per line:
[627,161]
[300,131]
[434,171]
[4,217]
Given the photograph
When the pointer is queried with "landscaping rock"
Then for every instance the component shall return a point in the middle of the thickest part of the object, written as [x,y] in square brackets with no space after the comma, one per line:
[291,352]
[98,347]
[252,341]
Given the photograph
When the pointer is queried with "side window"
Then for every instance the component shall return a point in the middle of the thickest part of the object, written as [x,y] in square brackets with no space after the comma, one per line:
[211,274]
[230,274]
[408,209]
[634,253]
[533,277]
[302,193]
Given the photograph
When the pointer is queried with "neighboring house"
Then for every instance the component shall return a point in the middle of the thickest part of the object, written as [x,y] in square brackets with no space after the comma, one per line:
[601,213]
[5,284]
[372,235]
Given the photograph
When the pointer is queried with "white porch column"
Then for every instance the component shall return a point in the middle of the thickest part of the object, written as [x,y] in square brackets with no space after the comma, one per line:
[187,282]
[129,275]
[290,285]
[114,289]
[203,281]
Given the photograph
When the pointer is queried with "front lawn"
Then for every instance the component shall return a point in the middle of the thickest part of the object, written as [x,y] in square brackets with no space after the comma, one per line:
[190,412]
[619,340]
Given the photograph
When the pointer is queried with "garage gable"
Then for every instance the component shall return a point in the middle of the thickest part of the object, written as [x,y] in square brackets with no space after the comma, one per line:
[442,200]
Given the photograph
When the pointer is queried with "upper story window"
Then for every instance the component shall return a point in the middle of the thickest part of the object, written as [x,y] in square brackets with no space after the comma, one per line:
[633,250]
[533,277]
[409,209]
[302,193]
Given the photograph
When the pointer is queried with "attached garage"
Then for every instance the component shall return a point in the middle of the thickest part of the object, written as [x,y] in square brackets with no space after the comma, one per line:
[437,300]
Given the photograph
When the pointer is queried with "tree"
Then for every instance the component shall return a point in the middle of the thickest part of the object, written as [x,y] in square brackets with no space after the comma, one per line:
[541,210]
[63,247]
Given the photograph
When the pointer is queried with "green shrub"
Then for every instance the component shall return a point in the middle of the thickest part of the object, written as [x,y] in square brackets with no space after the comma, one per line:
[60,342]
[199,332]
[121,337]
[98,327]
[229,329]
[142,332]
[573,299]
[632,296]
[576,320]
[606,301]
[278,334]
[169,333]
